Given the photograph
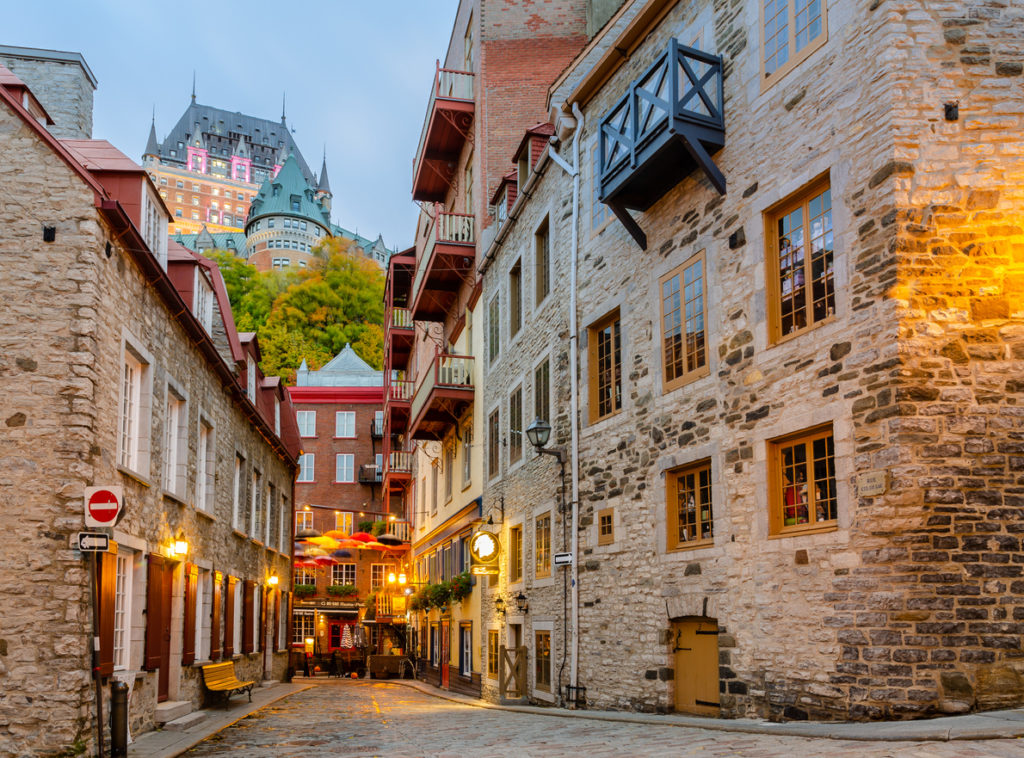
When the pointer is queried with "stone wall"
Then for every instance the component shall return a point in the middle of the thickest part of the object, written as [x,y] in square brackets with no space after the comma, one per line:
[63,88]
[62,372]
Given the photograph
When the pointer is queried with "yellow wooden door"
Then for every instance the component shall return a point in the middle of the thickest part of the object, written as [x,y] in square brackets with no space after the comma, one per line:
[696,662]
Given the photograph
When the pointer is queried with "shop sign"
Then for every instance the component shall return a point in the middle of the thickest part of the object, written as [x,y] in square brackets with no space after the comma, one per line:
[484,550]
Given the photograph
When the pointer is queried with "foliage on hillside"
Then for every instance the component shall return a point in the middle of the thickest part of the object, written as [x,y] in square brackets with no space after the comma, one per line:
[309,313]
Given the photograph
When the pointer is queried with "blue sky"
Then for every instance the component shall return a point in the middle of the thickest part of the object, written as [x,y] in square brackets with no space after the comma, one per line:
[357,76]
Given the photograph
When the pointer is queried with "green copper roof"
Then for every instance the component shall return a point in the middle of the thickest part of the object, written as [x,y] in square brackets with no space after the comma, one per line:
[288,194]
[206,240]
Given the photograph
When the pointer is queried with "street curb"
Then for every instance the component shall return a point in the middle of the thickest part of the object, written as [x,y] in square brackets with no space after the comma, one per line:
[885,731]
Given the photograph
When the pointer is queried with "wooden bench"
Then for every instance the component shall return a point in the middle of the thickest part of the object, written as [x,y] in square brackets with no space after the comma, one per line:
[220,677]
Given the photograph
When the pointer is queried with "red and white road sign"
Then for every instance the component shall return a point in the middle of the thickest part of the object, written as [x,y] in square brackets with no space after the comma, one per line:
[103,505]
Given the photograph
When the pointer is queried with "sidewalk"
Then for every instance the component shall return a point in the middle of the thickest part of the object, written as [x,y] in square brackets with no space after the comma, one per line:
[991,725]
[163,743]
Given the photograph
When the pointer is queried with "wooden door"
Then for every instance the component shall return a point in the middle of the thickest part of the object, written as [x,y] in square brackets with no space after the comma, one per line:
[158,622]
[445,654]
[512,682]
[696,666]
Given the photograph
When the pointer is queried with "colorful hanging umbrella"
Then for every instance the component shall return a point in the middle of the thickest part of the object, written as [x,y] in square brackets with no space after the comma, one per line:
[339,554]
[327,543]
[306,533]
[336,534]
[324,560]
[312,551]
[374,546]
[363,537]
[389,539]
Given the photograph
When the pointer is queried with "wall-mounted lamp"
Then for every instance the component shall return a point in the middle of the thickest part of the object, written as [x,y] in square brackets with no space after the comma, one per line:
[499,605]
[521,604]
[273,580]
[179,547]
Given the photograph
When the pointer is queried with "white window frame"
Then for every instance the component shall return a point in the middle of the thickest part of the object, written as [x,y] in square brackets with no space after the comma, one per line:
[202,300]
[236,503]
[303,625]
[466,643]
[255,503]
[348,569]
[306,519]
[236,626]
[268,513]
[282,534]
[175,443]
[307,466]
[257,596]
[250,376]
[203,614]
[344,521]
[344,466]
[378,568]
[307,423]
[344,424]
[135,410]
[205,463]
[123,609]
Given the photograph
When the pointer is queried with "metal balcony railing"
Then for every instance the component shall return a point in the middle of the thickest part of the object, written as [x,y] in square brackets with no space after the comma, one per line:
[449,84]
[377,428]
[448,228]
[446,371]
[370,473]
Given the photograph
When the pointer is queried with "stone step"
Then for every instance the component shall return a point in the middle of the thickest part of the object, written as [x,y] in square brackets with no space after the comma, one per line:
[269,683]
[185,722]
[171,710]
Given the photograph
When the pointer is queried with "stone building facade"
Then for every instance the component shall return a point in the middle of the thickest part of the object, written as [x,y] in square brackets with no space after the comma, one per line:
[62,81]
[798,472]
[124,369]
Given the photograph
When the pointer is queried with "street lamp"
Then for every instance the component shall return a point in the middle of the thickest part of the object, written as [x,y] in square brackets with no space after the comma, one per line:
[521,604]
[499,605]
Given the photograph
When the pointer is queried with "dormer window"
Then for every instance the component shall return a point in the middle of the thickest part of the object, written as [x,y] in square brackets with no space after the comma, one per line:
[250,375]
[502,211]
[296,201]
[202,301]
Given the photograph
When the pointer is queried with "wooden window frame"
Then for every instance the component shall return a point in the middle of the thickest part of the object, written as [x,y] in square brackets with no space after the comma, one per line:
[542,256]
[538,660]
[494,444]
[542,390]
[672,478]
[593,372]
[776,489]
[796,56]
[704,369]
[515,299]
[542,547]
[602,537]
[515,426]
[515,554]
[799,199]
[493,329]
[493,653]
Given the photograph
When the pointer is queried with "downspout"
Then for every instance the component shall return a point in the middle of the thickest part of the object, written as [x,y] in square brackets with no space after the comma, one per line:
[574,395]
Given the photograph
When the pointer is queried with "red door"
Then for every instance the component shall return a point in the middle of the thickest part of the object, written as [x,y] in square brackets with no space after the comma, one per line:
[158,622]
[445,654]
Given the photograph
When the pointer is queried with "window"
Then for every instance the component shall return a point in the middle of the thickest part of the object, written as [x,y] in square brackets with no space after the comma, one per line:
[303,520]
[179,185]
[802,477]
[449,470]
[122,609]
[605,527]
[493,330]
[467,46]
[515,426]
[465,649]
[791,30]
[344,463]
[542,546]
[307,423]
[542,391]
[467,460]
[433,487]
[268,512]
[133,454]
[205,462]
[179,197]
[305,576]
[515,297]
[493,653]
[237,617]
[605,355]
[515,554]
[306,463]
[236,502]
[435,645]
[343,522]
[345,424]
[599,212]
[270,223]
[250,375]
[683,315]
[468,184]
[493,445]
[344,573]
[255,505]
[277,416]
[690,515]
[202,301]
[542,660]
[174,451]
[800,258]
[283,537]
[302,626]
[378,572]
[542,247]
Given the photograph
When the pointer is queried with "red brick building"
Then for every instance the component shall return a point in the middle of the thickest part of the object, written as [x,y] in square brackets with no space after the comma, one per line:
[338,494]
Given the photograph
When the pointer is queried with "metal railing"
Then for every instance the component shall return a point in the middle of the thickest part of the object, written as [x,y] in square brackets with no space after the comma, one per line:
[400,390]
[370,473]
[447,229]
[449,84]
[683,84]
[401,529]
[450,371]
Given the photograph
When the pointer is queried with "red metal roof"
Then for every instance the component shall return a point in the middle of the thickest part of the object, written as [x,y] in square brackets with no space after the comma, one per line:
[178,252]
[100,155]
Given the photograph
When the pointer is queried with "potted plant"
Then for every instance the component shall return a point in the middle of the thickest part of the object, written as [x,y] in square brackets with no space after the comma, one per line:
[371,606]
[305,590]
[342,590]
[461,586]
[440,594]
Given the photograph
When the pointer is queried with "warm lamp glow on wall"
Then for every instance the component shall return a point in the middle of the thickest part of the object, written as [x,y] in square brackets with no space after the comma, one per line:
[273,580]
[180,548]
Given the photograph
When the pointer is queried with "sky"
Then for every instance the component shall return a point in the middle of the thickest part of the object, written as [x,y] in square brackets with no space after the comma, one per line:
[356,74]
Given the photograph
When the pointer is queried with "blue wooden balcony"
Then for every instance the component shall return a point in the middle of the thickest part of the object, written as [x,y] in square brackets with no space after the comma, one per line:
[667,124]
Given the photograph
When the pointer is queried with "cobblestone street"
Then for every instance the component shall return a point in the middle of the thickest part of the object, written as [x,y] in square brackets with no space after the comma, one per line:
[378,719]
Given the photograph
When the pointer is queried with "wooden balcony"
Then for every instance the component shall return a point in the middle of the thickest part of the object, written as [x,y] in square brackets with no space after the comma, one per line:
[397,399]
[442,396]
[397,471]
[399,335]
[667,124]
[443,264]
[390,607]
[446,127]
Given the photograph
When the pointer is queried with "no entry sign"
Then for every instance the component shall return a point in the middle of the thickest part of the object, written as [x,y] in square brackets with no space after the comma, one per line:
[103,505]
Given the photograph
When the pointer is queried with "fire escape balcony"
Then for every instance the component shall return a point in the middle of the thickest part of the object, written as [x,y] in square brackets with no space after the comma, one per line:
[370,473]
[399,335]
[668,123]
[443,264]
[446,128]
[442,396]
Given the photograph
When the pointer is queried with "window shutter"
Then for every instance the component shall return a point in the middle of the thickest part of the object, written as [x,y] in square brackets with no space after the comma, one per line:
[218,580]
[188,650]
[229,619]
[154,620]
[106,580]
[265,595]
[247,611]
[277,620]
